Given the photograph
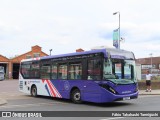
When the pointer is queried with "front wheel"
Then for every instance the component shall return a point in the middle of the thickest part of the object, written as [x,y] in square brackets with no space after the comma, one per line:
[76,96]
[34,91]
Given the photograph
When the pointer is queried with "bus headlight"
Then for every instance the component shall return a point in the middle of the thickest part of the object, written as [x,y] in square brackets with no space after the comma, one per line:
[107,87]
[112,90]
[136,89]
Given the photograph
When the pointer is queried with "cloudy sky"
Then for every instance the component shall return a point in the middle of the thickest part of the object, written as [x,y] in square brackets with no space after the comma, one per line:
[65,25]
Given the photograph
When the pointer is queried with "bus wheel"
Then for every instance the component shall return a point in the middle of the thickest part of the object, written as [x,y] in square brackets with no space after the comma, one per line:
[76,96]
[34,91]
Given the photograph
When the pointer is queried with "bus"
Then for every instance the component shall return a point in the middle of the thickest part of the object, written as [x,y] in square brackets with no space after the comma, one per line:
[2,73]
[99,76]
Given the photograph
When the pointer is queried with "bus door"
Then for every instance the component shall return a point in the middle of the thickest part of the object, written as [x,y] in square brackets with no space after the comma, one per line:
[94,76]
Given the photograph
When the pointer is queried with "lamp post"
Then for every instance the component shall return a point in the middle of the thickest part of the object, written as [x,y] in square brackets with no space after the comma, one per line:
[118,28]
[50,51]
[151,61]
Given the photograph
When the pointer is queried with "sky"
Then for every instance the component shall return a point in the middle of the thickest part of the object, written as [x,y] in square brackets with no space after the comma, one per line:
[66,25]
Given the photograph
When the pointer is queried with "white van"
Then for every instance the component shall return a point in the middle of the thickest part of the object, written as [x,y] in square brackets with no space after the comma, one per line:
[2,73]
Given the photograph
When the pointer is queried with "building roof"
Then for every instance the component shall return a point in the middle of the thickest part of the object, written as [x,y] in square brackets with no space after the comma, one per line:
[3,59]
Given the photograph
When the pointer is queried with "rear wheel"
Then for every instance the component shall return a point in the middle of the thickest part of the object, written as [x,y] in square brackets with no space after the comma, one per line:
[76,96]
[34,91]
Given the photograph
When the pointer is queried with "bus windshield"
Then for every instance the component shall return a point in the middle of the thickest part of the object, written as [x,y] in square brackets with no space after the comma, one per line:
[119,71]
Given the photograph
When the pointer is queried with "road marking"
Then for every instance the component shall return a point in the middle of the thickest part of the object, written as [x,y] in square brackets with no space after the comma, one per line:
[16,98]
[142,96]
[31,105]
[113,118]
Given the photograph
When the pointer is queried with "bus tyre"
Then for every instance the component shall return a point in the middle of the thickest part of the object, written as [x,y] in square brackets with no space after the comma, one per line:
[34,91]
[76,96]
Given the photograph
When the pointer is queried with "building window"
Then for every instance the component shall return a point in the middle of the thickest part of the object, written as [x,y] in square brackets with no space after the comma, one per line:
[28,56]
[36,55]
[148,66]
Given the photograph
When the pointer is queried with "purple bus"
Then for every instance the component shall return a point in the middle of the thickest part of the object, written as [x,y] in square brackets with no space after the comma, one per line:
[99,76]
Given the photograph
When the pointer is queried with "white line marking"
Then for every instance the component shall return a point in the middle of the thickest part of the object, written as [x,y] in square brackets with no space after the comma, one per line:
[142,96]
[114,118]
[30,105]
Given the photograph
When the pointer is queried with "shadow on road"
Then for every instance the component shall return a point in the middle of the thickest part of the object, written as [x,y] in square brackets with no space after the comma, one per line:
[110,104]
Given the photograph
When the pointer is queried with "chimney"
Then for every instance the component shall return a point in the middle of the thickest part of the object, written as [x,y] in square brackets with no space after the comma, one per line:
[79,50]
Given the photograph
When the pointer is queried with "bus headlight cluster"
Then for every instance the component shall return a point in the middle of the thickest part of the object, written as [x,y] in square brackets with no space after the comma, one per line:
[107,87]
[136,89]
[112,90]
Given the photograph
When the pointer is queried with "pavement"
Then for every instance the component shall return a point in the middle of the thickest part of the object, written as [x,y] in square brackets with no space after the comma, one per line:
[3,101]
[141,92]
[153,92]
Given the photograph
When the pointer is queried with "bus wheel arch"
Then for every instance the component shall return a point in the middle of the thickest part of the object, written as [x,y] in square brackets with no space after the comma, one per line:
[75,95]
[34,90]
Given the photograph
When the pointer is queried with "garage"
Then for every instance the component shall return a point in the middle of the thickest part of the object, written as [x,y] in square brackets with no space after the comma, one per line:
[15,71]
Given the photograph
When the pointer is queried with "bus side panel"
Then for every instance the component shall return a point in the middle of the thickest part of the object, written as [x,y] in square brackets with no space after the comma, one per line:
[110,97]
[91,92]
[23,87]
[26,85]
[49,88]
[65,86]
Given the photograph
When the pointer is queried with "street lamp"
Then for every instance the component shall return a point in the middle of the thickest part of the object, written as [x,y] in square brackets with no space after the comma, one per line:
[151,61]
[118,28]
[50,51]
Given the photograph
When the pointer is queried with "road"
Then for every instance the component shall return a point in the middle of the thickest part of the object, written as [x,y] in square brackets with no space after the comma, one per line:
[18,101]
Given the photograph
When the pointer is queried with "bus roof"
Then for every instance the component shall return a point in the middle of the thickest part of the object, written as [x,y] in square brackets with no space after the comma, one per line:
[121,54]
[76,53]
[113,53]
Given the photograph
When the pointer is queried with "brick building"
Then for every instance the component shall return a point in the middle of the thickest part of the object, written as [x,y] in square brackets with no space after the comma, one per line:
[152,64]
[5,63]
[12,65]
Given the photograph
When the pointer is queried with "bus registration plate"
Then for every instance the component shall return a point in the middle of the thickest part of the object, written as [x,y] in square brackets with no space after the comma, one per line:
[126,98]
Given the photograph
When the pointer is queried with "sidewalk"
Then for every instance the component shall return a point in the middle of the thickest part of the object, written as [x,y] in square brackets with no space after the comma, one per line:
[153,92]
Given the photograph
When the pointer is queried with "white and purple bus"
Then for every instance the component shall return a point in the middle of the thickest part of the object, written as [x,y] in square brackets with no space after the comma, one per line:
[99,76]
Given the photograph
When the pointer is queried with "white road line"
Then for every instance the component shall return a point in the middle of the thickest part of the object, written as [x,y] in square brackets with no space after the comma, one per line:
[15,98]
[29,105]
[113,118]
[142,96]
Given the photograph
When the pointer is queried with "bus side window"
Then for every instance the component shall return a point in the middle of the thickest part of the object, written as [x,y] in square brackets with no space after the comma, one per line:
[45,71]
[35,73]
[75,71]
[94,69]
[62,71]
[25,70]
[54,71]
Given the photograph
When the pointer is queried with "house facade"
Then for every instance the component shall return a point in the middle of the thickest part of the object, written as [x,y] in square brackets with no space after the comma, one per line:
[11,66]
